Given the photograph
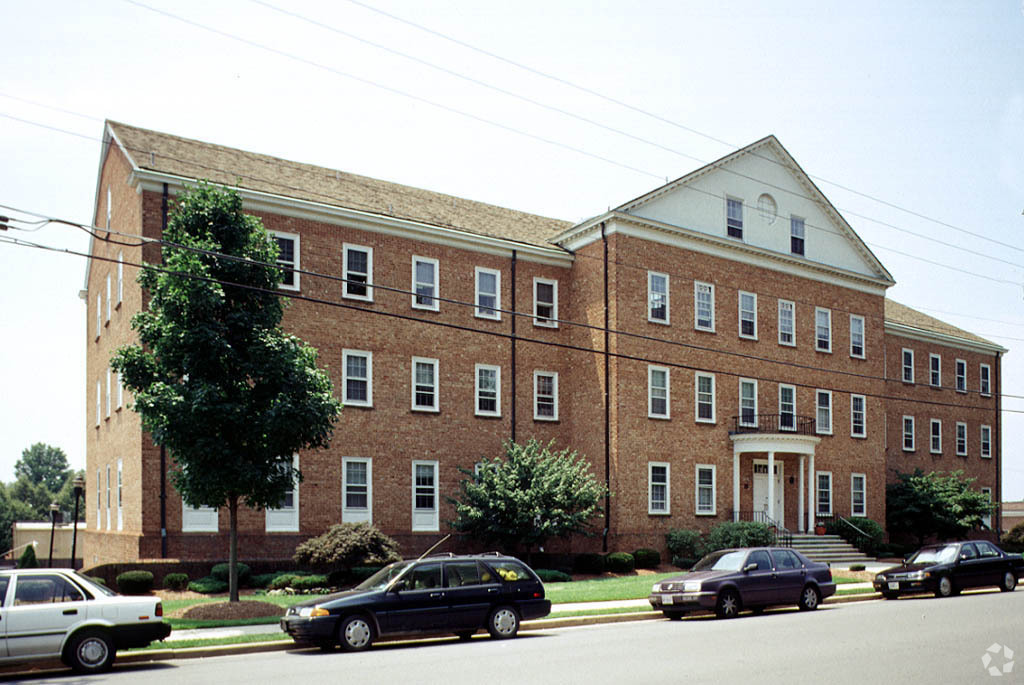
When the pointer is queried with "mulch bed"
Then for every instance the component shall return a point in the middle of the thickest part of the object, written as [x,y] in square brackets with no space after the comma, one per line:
[223,611]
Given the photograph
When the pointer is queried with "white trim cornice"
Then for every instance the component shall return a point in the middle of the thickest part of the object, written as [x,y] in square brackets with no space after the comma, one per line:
[743,443]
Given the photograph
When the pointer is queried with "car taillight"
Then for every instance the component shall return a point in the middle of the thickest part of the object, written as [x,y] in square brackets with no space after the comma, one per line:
[159,609]
[536,595]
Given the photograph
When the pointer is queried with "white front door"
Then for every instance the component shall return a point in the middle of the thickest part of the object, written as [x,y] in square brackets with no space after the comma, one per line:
[761,489]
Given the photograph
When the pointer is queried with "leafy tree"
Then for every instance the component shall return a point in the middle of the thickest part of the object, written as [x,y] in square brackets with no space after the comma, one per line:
[215,379]
[44,465]
[347,545]
[34,496]
[11,509]
[527,497]
[922,505]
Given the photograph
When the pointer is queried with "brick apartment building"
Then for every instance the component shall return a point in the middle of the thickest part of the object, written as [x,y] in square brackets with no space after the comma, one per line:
[723,327]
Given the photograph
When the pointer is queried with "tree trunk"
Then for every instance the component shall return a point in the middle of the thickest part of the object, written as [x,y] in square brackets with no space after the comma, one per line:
[233,549]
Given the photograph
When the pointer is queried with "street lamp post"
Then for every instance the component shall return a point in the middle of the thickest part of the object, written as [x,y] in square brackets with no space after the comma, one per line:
[79,484]
[54,510]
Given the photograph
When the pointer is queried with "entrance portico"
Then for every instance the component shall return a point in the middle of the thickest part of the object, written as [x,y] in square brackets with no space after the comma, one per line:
[771,444]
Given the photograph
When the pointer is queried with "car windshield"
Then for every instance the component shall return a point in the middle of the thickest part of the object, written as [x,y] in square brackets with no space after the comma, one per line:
[934,555]
[381,579]
[725,560]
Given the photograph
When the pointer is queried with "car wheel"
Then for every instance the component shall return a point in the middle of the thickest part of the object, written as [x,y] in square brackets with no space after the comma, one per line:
[503,623]
[810,598]
[355,633]
[673,615]
[728,605]
[945,587]
[465,634]
[1009,582]
[90,651]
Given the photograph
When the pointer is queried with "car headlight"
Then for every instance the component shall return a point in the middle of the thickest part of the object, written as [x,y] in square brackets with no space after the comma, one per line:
[879,578]
[917,575]
[691,586]
[311,612]
[656,588]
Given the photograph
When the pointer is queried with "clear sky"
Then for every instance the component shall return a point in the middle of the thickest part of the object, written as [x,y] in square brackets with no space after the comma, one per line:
[919,105]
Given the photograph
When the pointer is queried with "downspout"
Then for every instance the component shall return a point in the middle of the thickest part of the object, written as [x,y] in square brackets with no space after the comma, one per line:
[513,316]
[997,499]
[607,403]
[163,450]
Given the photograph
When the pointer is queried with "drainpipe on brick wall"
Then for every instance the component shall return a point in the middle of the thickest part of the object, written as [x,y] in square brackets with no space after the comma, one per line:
[607,404]
[163,450]
[997,498]
[513,317]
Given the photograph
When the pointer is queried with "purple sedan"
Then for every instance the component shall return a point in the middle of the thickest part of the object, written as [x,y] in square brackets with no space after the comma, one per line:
[730,580]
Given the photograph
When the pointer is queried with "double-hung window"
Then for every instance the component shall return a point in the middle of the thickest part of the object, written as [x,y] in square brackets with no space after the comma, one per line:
[120,497]
[109,303]
[425,286]
[357,272]
[961,439]
[424,495]
[658,488]
[936,436]
[787,407]
[856,336]
[908,433]
[488,390]
[796,235]
[822,329]
[858,488]
[748,402]
[705,490]
[99,314]
[704,306]
[986,520]
[858,428]
[99,500]
[424,384]
[488,293]
[545,302]
[287,259]
[657,297]
[985,386]
[734,218]
[357,378]
[120,277]
[935,370]
[108,393]
[748,315]
[545,396]
[961,375]
[284,518]
[824,498]
[705,397]
[657,392]
[908,365]
[986,442]
[823,403]
[108,496]
[787,323]
[357,490]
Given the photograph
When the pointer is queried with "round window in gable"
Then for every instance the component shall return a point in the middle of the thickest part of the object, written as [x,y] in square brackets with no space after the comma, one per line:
[767,208]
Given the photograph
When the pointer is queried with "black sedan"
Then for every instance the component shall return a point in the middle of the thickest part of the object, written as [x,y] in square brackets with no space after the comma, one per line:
[948,568]
[450,594]
[730,580]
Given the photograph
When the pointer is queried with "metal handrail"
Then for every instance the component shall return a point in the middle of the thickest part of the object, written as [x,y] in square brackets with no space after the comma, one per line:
[851,525]
[773,423]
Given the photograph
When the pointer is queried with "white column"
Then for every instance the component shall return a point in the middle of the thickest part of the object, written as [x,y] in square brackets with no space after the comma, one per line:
[801,523]
[735,484]
[810,494]
[771,486]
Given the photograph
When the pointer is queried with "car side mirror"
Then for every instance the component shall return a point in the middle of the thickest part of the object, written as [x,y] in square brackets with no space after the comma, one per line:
[749,567]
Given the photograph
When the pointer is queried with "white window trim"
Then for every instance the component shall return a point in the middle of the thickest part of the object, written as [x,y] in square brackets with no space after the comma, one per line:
[742,226]
[108,394]
[486,312]
[424,520]
[435,407]
[357,514]
[904,367]
[651,370]
[864,492]
[109,298]
[913,433]
[960,425]
[803,236]
[667,511]
[792,333]
[739,318]
[476,385]
[987,520]
[817,491]
[696,397]
[435,285]
[551,322]
[345,248]
[828,313]
[99,314]
[286,520]
[99,499]
[985,453]
[108,497]
[650,294]
[120,390]
[831,411]
[109,208]
[932,434]
[294,237]
[120,494]
[739,398]
[958,366]
[864,417]
[120,278]
[863,336]
[784,386]
[985,374]
[696,306]
[99,402]
[346,400]
[697,486]
[935,373]
[536,375]
[198,519]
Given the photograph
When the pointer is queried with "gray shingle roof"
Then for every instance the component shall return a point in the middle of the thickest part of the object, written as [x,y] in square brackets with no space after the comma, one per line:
[904,315]
[193,159]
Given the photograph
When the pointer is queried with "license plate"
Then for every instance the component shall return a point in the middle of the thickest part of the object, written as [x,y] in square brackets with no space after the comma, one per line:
[666,599]
[894,586]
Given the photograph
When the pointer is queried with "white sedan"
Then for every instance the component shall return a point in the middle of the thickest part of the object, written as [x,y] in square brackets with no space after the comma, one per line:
[59,613]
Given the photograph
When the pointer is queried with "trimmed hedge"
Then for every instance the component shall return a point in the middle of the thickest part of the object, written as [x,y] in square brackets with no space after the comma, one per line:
[738,534]
[208,586]
[684,543]
[619,562]
[647,558]
[589,564]
[684,562]
[222,572]
[263,580]
[1014,540]
[135,582]
[552,576]
[176,581]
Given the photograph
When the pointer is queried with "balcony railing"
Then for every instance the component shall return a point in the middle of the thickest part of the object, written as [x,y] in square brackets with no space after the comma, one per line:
[773,423]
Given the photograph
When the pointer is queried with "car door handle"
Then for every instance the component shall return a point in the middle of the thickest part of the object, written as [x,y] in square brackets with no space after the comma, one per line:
[435,595]
[70,612]
[492,590]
